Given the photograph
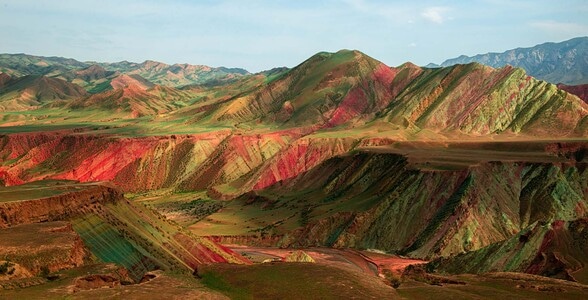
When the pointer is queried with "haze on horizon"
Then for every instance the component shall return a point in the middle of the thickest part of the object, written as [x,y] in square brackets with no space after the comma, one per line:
[259,35]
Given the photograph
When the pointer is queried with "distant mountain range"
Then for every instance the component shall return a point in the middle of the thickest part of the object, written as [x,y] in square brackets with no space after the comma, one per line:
[565,62]
[96,77]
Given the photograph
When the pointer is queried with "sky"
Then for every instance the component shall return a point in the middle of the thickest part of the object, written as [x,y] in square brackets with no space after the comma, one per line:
[259,35]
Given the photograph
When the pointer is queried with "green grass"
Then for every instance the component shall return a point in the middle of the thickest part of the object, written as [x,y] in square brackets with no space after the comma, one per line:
[292,281]
[495,286]
[216,282]
[38,190]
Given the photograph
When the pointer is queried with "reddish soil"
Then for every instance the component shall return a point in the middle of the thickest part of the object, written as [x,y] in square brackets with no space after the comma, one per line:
[579,90]
[367,262]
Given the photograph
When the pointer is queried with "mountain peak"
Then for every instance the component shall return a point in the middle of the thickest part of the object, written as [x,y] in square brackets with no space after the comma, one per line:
[408,65]
[151,64]
[125,81]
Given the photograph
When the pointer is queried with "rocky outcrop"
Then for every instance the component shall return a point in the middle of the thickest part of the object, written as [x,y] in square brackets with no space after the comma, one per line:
[184,162]
[100,221]
[299,256]
[580,90]
[555,249]
[65,205]
[131,163]
[378,201]
[43,248]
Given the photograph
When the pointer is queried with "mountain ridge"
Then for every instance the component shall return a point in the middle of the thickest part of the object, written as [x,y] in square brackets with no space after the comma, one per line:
[557,62]
[176,75]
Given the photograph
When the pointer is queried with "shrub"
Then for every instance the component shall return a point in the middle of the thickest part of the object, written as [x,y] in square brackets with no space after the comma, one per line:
[392,279]
[6,268]
[44,271]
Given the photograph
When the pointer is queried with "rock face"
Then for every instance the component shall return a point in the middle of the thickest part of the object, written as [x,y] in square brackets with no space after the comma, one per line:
[62,206]
[43,247]
[188,162]
[557,249]
[562,62]
[299,256]
[4,78]
[378,201]
[476,99]
[99,221]
[579,90]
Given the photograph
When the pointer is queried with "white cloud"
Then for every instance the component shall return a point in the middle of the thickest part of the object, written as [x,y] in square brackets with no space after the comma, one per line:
[561,28]
[435,14]
[412,45]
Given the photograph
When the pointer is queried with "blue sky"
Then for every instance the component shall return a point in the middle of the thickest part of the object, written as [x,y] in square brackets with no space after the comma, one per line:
[259,35]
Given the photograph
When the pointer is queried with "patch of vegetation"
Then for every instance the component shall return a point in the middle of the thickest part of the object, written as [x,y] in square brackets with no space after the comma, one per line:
[44,271]
[392,279]
[305,215]
[101,87]
[291,281]
[216,282]
[418,273]
[200,208]
[6,268]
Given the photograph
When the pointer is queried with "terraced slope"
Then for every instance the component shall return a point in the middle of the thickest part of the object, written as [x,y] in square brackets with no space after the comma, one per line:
[110,227]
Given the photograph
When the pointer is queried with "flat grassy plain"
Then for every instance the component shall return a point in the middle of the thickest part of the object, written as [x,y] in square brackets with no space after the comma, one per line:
[293,281]
[40,189]
[315,281]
